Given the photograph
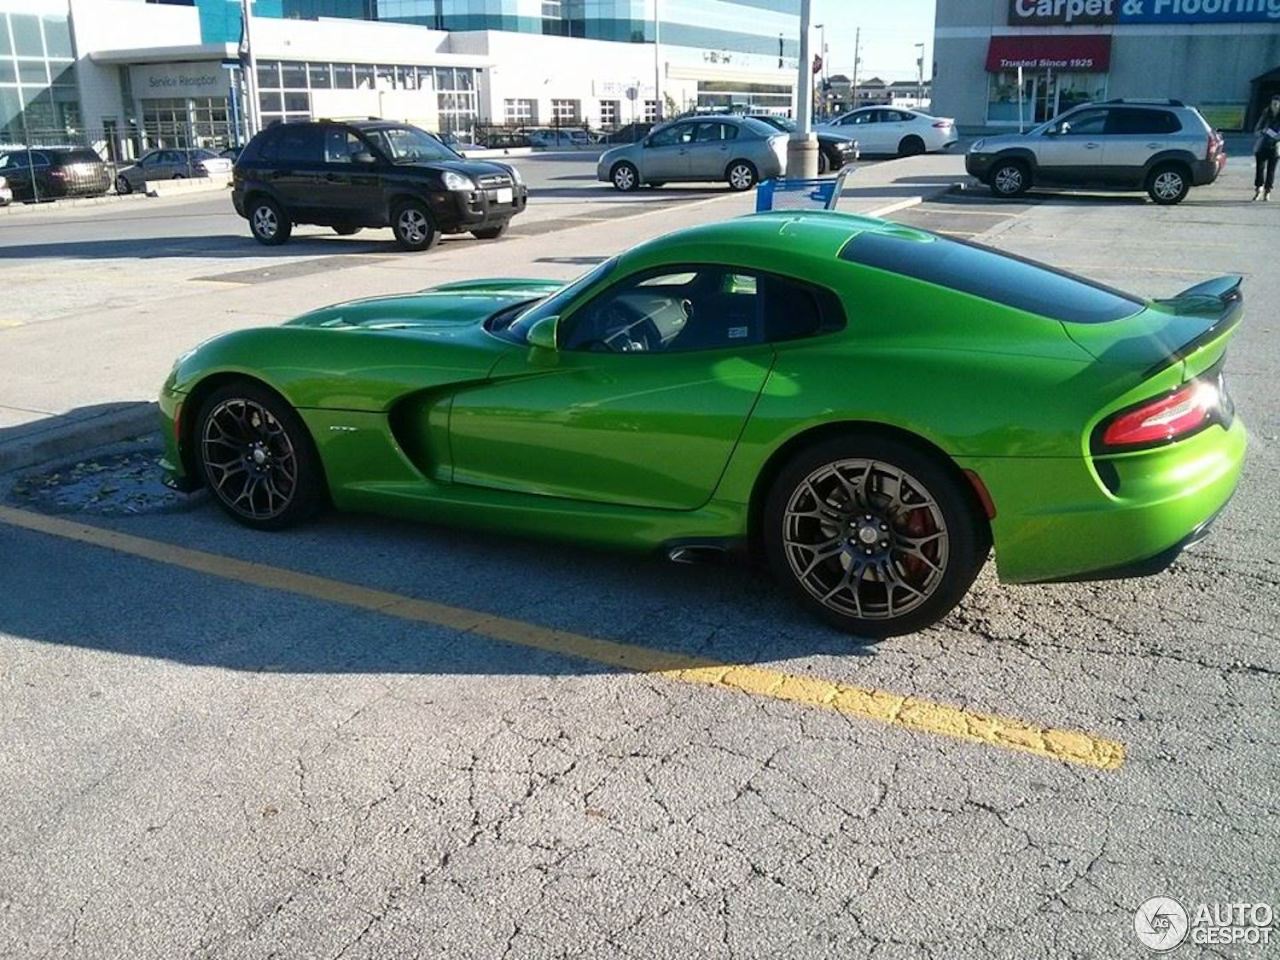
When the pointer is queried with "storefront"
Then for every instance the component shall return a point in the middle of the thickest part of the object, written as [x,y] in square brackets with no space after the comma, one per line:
[1205,52]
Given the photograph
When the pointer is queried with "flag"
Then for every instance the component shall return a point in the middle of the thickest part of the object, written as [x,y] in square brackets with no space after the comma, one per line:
[817,64]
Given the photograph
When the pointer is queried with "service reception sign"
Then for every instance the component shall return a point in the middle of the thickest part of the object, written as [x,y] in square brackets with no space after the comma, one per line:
[152,81]
[1037,13]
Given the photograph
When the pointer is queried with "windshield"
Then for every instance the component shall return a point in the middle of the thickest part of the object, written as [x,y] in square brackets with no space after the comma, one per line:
[515,323]
[409,144]
[782,123]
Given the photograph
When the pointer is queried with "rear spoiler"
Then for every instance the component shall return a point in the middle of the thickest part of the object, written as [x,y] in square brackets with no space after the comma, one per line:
[1219,301]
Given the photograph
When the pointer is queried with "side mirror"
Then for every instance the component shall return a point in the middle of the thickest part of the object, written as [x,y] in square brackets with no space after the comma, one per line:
[1060,129]
[543,333]
[363,156]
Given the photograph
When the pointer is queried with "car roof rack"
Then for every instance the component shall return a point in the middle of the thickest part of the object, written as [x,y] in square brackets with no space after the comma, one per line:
[1163,102]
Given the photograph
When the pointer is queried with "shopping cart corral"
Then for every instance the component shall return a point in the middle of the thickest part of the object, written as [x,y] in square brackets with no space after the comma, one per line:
[801,194]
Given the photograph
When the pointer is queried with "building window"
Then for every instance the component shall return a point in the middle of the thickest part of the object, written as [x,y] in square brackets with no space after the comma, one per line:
[1045,94]
[609,113]
[39,101]
[651,111]
[565,112]
[517,112]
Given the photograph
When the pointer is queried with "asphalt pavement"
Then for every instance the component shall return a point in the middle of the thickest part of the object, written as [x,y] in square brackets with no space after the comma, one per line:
[372,739]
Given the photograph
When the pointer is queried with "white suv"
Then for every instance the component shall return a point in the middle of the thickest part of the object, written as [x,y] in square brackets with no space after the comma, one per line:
[1161,146]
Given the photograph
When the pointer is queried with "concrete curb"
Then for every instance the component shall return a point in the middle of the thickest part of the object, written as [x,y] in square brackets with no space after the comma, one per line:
[18,208]
[173,188]
[69,439]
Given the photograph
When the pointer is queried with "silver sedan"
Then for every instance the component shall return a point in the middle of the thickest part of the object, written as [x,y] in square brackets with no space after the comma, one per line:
[737,150]
[166,164]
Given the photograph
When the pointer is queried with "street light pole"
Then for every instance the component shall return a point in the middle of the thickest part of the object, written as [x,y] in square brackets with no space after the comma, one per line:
[820,100]
[802,148]
[253,111]
[920,76]
[657,63]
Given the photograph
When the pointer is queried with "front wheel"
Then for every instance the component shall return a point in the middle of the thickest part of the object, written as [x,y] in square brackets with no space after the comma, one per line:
[1168,184]
[1010,178]
[257,457]
[412,226]
[123,186]
[624,177]
[873,535]
[268,222]
[911,146]
[490,233]
[741,175]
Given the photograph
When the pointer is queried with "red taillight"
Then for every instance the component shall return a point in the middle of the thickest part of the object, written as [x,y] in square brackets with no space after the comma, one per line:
[57,174]
[1184,411]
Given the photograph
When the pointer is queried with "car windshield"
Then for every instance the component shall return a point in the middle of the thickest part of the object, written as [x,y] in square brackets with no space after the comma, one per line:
[409,145]
[514,323]
[782,123]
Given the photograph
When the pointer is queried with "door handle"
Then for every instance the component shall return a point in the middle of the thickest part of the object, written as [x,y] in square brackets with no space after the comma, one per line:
[1153,146]
[1092,146]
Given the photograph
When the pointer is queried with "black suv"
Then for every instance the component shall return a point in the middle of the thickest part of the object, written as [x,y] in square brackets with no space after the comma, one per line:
[374,173]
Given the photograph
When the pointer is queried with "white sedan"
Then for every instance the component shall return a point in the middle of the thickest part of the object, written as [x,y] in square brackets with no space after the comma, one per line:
[894,130]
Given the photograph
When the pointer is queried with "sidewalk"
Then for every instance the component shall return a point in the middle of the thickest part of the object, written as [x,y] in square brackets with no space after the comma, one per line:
[90,378]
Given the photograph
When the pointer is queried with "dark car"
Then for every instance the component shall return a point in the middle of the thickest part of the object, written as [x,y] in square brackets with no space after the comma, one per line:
[169,164]
[372,173]
[834,151]
[45,173]
[631,133]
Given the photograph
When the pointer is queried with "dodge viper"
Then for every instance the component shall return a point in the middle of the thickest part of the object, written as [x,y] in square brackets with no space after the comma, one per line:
[869,407]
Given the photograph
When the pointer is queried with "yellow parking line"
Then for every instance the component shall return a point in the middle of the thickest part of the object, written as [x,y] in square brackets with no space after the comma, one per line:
[913,713]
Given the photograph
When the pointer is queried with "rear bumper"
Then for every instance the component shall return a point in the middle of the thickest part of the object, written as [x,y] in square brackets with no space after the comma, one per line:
[1204,172]
[1057,520]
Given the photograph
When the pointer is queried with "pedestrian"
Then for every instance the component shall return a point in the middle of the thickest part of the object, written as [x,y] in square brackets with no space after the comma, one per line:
[1266,148]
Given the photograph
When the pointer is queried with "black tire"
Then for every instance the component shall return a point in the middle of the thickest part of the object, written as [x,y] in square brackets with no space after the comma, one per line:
[179,176]
[246,434]
[952,539]
[346,231]
[1168,183]
[490,233]
[1009,178]
[911,146]
[411,223]
[625,177]
[824,164]
[268,222]
[741,175]
[123,186]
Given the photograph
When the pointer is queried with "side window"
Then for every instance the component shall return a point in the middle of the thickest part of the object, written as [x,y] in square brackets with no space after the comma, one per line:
[793,310]
[866,116]
[172,156]
[299,143]
[269,150]
[1142,122]
[1090,123]
[39,160]
[341,145]
[150,159]
[680,133]
[715,132]
[671,311]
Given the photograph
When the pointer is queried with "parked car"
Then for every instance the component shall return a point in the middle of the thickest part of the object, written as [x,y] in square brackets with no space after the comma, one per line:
[894,130]
[834,150]
[694,395]
[6,195]
[738,150]
[52,172]
[630,133]
[1162,147]
[373,173]
[231,153]
[170,164]
[563,137]
[458,146]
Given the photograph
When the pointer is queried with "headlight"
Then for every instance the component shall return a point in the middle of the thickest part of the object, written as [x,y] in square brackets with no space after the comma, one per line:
[515,174]
[457,181]
[977,145]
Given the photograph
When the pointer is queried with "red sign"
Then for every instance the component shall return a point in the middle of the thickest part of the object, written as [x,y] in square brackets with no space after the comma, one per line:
[1086,53]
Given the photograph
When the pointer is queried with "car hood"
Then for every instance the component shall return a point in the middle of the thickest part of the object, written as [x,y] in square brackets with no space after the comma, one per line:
[1001,140]
[439,311]
[470,168]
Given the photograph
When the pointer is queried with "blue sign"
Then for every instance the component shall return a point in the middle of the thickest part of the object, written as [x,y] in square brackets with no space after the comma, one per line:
[1198,11]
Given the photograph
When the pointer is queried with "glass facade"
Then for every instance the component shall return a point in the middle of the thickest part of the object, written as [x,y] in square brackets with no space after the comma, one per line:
[39,102]
[284,88]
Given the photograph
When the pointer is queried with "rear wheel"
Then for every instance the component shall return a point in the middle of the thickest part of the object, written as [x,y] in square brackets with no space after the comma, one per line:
[1010,178]
[741,175]
[123,186]
[257,457]
[268,222]
[911,146]
[490,233]
[1168,184]
[412,226]
[624,177]
[873,535]
[823,163]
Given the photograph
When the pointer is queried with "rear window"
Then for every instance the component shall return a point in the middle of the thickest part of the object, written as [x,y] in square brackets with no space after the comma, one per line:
[992,275]
[80,156]
[1138,121]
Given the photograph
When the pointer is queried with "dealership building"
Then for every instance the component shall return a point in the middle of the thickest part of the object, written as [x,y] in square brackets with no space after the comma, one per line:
[125,75]
[1220,55]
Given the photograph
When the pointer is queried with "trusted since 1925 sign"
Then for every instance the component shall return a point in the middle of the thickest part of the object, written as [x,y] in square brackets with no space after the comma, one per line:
[1033,13]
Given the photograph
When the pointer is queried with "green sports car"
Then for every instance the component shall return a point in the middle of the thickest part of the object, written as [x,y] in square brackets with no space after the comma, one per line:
[870,407]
